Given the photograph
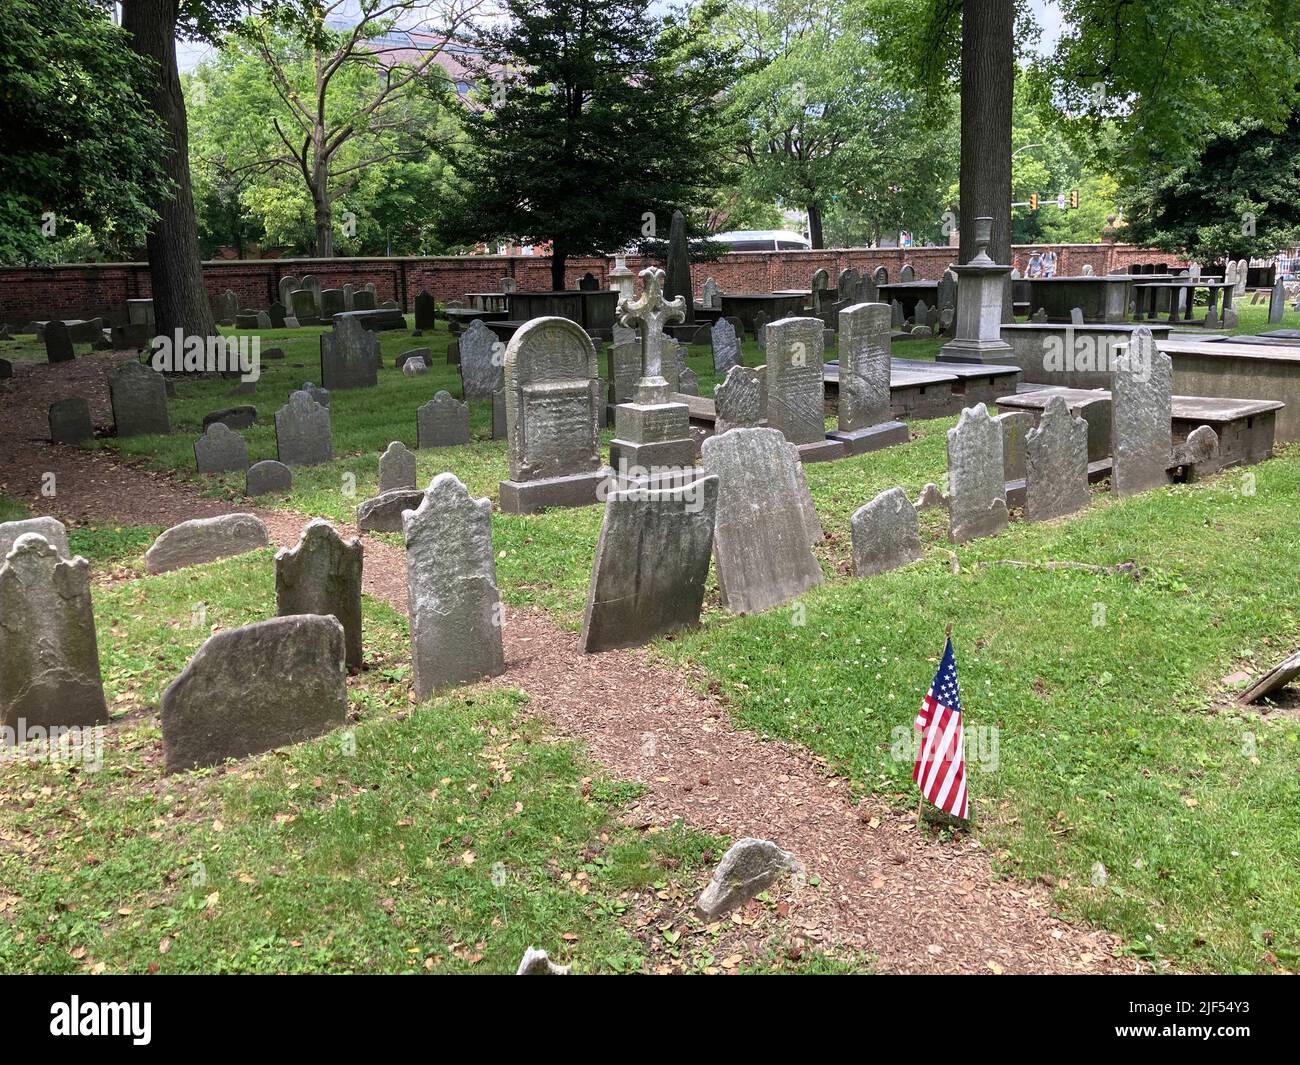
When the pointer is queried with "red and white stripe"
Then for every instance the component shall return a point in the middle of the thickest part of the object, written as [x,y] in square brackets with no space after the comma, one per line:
[940,770]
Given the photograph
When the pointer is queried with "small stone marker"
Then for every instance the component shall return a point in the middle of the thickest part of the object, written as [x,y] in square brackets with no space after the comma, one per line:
[1056,464]
[749,867]
[139,399]
[652,562]
[396,467]
[58,342]
[383,513]
[1141,403]
[726,348]
[49,659]
[977,501]
[482,361]
[538,963]
[740,401]
[907,273]
[885,534]
[70,420]
[414,368]
[456,617]
[764,532]
[302,432]
[322,575]
[205,539]
[220,449]
[51,529]
[442,422]
[268,476]
[420,355]
[255,688]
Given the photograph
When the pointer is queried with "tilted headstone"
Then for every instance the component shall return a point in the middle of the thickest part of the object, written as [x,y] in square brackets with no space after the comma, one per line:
[977,496]
[482,358]
[267,476]
[1015,424]
[885,534]
[302,432]
[688,383]
[255,688]
[51,529]
[349,356]
[764,532]
[795,387]
[741,399]
[322,575]
[70,420]
[139,400]
[264,320]
[1056,463]
[426,310]
[1141,448]
[442,422]
[456,617]
[652,563]
[49,659]
[200,540]
[383,513]
[58,342]
[219,449]
[397,467]
[726,348]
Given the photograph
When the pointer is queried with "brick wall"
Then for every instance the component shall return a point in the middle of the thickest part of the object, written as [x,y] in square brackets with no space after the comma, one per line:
[101,289]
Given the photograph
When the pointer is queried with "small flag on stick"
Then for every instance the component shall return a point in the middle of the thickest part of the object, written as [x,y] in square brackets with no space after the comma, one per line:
[940,770]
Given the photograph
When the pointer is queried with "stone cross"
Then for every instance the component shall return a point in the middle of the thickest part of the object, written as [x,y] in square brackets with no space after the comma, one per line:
[651,312]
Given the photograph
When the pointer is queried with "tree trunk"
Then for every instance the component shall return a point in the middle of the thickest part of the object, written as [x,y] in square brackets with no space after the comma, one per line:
[987,85]
[815,225]
[180,300]
[559,259]
[324,214]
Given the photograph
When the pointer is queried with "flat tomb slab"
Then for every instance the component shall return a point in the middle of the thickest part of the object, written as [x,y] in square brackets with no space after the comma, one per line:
[575,490]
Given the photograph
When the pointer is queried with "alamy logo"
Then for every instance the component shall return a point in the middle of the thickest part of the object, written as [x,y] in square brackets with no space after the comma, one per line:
[133,1019]
[195,354]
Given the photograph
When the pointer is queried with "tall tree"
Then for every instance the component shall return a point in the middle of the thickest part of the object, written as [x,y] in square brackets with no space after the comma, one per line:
[599,120]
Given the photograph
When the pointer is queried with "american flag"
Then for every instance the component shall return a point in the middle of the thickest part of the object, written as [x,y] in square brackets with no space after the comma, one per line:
[940,770]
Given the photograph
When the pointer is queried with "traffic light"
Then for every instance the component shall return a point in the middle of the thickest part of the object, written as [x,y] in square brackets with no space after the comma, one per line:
[1074,199]
[1033,201]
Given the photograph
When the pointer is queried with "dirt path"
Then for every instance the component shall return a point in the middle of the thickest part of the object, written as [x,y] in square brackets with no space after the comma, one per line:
[883,888]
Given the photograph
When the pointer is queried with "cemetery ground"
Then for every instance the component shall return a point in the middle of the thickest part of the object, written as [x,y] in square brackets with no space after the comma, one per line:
[1122,790]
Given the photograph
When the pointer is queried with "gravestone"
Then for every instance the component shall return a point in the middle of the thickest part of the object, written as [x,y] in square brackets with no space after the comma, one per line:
[426,310]
[1276,303]
[1015,424]
[711,295]
[255,688]
[946,297]
[442,422]
[688,383]
[499,414]
[764,530]
[349,356]
[456,616]
[677,276]
[349,296]
[53,531]
[219,449]
[921,313]
[227,309]
[364,299]
[322,575]
[726,348]
[6,369]
[264,320]
[139,400]
[885,534]
[507,284]
[848,285]
[880,276]
[418,354]
[304,307]
[302,432]
[795,387]
[70,420]
[588,283]
[740,400]
[247,320]
[287,287]
[895,314]
[977,497]
[906,273]
[383,513]
[311,283]
[552,387]
[1056,464]
[320,395]
[331,303]
[58,342]
[865,423]
[242,417]
[624,372]
[1243,274]
[1141,404]
[760,331]
[1076,316]
[748,868]
[49,659]
[820,282]
[1087,270]
[200,540]
[652,563]
[481,357]
[267,476]
[414,367]
[396,467]
[453,352]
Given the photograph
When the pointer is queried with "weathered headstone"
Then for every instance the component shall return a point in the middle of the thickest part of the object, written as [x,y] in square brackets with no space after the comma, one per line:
[287,287]
[456,617]
[1140,416]
[49,659]
[652,562]
[396,467]
[688,383]
[1015,424]
[795,387]
[51,529]
[442,422]
[200,540]
[267,476]
[977,499]
[422,355]
[726,348]
[349,356]
[383,513]
[219,449]
[304,307]
[302,432]
[349,296]
[907,273]
[880,276]
[711,295]
[227,309]
[70,420]
[426,310]
[763,534]
[749,867]
[760,331]
[821,281]
[740,400]
[1056,464]
[255,688]
[1276,303]
[322,575]
[139,399]
[414,367]
[864,361]
[264,320]
[885,534]
[58,342]
[481,361]
[677,278]
[320,395]
[331,303]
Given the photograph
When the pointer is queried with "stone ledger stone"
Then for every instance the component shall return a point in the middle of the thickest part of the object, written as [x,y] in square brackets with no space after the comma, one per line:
[255,688]
[977,497]
[322,575]
[204,540]
[885,534]
[455,608]
[652,562]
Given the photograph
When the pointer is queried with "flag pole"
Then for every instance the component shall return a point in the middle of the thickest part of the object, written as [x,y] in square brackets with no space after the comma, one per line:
[920,799]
